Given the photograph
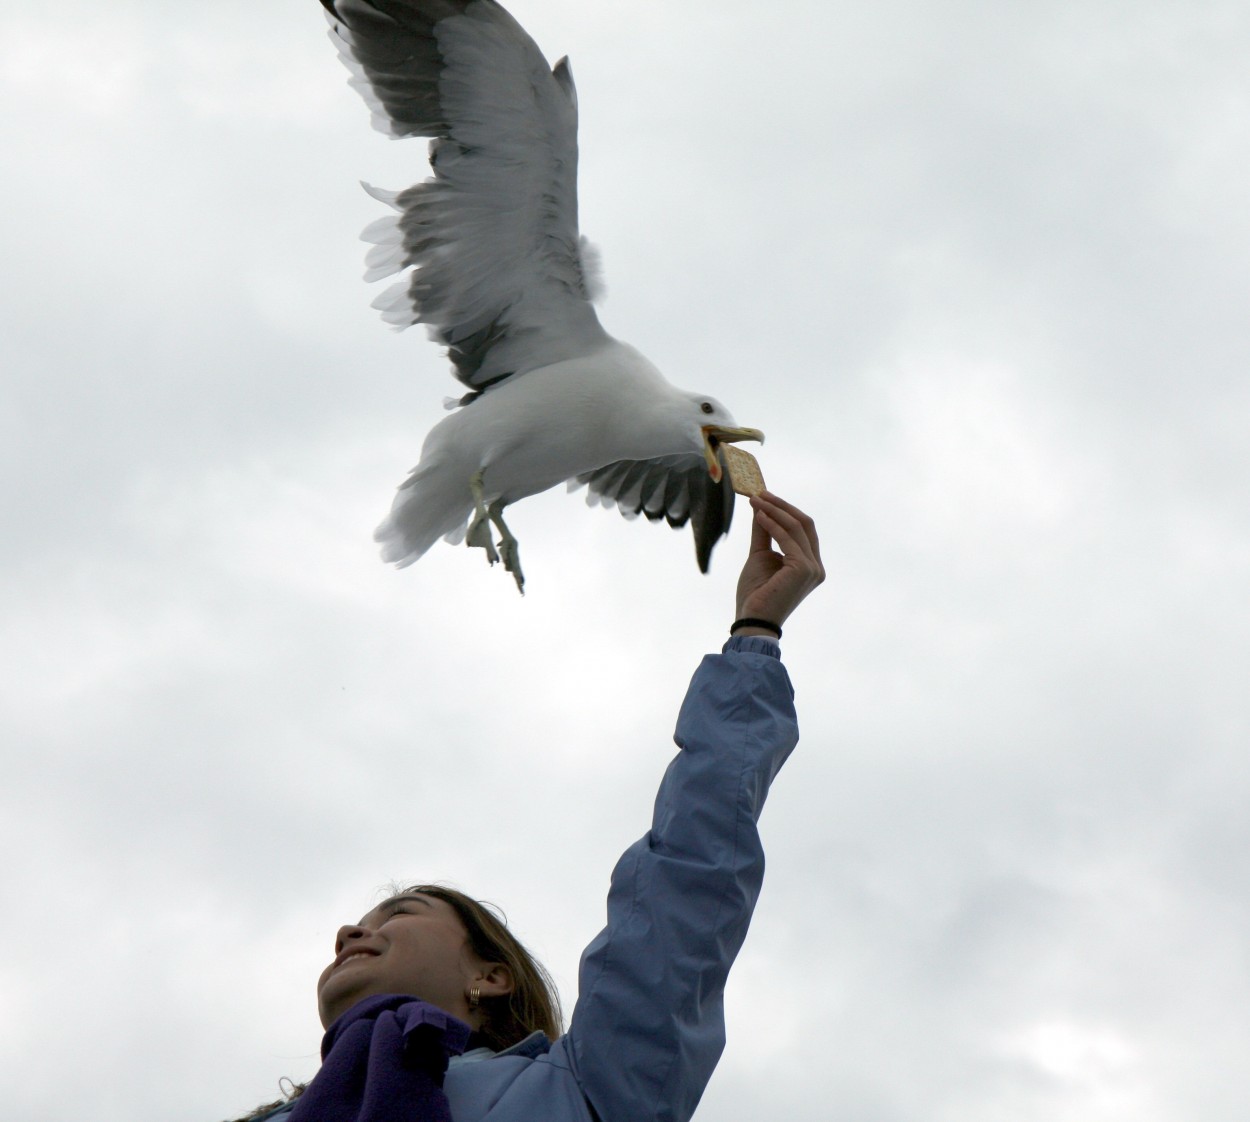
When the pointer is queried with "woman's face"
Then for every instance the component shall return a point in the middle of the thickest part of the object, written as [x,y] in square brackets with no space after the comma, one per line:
[412,944]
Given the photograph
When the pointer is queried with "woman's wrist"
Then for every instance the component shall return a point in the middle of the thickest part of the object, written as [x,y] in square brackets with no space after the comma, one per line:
[753,625]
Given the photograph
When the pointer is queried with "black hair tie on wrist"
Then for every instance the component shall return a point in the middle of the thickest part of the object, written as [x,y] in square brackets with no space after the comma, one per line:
[766,624]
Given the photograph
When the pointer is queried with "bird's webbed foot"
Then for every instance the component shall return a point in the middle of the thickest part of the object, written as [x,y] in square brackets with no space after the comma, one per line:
[508,547]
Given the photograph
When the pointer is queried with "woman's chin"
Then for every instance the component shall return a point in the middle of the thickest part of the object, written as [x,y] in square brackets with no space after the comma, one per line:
[339,994]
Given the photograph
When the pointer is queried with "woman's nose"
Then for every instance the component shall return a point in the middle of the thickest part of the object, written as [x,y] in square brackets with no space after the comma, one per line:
[346,934]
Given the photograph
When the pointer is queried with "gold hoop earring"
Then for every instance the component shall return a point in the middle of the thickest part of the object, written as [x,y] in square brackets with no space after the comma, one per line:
[475,997]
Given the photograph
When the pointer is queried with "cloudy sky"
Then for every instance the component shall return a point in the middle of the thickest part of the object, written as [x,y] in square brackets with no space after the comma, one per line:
[980,271]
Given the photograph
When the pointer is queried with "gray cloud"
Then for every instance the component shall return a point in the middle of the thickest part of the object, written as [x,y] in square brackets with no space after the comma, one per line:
[980,274]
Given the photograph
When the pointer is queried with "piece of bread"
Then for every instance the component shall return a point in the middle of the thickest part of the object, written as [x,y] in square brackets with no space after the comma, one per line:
[744,470]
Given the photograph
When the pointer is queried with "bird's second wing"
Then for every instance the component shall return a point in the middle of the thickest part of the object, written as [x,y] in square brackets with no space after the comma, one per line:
[498,266]
[675,488]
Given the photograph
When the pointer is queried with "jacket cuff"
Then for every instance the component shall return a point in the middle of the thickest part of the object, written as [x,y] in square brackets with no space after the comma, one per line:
[753,644]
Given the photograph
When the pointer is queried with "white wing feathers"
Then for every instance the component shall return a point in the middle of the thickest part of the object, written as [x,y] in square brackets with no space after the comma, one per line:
[499,272]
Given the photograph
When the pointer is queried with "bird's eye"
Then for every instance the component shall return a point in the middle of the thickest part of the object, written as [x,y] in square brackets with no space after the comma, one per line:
[707,407]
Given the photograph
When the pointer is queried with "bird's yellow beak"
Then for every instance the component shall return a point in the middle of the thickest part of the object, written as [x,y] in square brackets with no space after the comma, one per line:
[714,435]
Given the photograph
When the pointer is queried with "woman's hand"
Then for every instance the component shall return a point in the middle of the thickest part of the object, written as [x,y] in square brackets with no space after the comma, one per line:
[773,584]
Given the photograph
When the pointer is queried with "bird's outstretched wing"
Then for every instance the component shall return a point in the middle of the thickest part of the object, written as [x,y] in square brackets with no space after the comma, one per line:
[675,488]
[499,270]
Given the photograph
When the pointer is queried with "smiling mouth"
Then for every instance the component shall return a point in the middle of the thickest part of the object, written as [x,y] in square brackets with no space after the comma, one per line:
[354,957]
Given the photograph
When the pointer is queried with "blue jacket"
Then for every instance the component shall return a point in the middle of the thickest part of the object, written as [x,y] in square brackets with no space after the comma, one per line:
[649,1025]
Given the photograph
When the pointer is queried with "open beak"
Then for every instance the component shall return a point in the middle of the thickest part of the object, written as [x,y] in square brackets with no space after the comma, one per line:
[714,435]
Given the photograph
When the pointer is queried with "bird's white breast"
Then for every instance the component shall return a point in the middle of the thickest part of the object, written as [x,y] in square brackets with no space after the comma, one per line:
[555,422]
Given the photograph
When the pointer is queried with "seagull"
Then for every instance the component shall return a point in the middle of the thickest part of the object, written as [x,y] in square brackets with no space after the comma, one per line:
[492,262]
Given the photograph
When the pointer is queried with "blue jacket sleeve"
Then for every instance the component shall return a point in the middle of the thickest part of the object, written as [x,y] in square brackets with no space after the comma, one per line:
[648,1027]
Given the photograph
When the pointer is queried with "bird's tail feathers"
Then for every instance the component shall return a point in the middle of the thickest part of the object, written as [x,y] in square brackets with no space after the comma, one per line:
[425,509]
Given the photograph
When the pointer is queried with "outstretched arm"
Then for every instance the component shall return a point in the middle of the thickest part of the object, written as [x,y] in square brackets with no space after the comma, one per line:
[648,1027]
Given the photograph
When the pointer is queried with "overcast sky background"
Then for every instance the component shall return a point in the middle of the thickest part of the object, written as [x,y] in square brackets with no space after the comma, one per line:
[979,270]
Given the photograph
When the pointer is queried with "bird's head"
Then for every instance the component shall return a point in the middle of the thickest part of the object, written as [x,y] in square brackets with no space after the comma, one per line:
[717,427]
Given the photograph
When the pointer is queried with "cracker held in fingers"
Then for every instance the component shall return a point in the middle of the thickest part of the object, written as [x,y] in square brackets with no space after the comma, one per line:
[744,470]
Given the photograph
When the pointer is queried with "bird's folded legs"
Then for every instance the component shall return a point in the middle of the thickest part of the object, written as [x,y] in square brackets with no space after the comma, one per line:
[479,529]
[479,532]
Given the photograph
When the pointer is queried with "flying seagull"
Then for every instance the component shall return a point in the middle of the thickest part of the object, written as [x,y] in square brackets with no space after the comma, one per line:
[493,264]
